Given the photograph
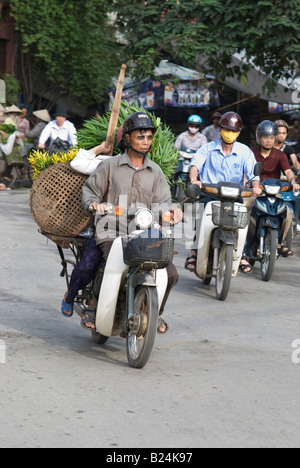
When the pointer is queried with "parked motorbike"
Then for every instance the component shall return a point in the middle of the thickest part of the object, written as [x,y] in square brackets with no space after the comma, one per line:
[181,176]
[133,284]
[221,234]
[266,229]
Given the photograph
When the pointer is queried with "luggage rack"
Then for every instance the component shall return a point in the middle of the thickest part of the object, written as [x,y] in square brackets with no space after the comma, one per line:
[76,244]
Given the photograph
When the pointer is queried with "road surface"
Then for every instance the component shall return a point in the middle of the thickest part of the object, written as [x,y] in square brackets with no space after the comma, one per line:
[222,377]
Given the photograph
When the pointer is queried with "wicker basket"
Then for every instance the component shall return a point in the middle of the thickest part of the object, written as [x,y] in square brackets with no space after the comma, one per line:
[55,201]
[141,250]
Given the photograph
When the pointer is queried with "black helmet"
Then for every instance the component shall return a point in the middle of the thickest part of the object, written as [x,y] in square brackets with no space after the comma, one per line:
[295,116]
[266,128]
[138,121]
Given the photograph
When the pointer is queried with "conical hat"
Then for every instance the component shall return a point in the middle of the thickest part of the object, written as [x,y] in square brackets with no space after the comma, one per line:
[42,115]
[12,108]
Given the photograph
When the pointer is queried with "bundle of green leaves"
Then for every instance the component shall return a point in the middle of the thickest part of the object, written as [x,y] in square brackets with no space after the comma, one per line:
[9,129]
[163,153]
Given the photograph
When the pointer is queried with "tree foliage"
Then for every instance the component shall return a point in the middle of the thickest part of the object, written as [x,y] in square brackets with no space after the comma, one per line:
[67,44]
[266,31]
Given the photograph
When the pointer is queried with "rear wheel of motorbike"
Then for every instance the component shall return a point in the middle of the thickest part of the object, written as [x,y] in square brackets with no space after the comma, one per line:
[98,338]
[223,279]
[270,256]
[142,327]
[207,281]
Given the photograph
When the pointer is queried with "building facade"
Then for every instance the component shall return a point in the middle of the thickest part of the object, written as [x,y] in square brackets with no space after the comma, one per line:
[7,42]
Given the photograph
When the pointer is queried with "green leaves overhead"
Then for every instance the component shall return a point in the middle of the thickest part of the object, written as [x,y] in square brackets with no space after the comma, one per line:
[267,32]
[67,44]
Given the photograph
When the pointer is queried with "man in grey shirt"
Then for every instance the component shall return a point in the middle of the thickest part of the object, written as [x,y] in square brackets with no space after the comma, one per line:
[192,139]
[212,132]
[129,180]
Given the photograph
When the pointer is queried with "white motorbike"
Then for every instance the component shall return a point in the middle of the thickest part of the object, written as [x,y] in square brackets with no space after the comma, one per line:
[132,284]
[133,288]
[221,233]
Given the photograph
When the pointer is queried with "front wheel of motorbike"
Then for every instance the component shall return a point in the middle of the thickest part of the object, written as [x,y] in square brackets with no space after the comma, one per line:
[269,259]
[142,327]
[223,279]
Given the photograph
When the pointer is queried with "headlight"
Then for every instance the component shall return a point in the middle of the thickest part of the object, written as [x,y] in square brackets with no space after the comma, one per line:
[230,192]
[144,218]
[272,189]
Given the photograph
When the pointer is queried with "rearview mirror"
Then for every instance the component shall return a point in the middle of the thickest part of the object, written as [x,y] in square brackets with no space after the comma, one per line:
[258,168]
[193,191]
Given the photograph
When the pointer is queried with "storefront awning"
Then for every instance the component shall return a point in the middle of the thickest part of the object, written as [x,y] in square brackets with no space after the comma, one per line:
[174,86]
[254,82]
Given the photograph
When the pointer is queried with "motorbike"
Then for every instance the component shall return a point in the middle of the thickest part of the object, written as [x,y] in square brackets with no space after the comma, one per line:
[181,176]
[132,284]
[292,199]
[267,227]
[221,234]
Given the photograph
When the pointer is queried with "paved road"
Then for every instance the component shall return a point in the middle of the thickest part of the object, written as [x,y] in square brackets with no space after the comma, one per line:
[222,377]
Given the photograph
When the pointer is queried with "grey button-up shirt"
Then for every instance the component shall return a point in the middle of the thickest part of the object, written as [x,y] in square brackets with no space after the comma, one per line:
[118,182]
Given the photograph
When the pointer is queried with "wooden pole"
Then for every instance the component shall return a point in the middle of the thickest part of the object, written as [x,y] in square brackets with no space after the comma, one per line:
[112,128]
[237,102]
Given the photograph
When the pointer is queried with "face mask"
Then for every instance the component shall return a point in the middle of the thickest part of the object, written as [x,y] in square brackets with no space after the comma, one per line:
[229,137]
[193,130]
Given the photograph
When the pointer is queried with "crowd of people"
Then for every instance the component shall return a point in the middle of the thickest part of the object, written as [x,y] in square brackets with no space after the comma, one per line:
[45,130]
[43,133]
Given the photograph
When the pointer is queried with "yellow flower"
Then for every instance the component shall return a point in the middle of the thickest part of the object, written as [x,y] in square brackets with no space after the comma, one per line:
[40,160]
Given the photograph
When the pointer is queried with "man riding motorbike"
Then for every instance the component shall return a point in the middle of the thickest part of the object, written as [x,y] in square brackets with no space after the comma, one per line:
[223,160]
[212,132]
[280,144]
[131,176]
[192,139]
[274,161]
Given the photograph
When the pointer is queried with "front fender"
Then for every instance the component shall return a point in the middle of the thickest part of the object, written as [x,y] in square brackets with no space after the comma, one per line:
[146,279]
[271,222]
[225,236]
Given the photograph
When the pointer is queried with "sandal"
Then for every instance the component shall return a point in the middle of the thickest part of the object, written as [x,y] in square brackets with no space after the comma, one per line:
[67,307]
[245,266]
[161,323]
[189,262]
[286,252]
[89,317]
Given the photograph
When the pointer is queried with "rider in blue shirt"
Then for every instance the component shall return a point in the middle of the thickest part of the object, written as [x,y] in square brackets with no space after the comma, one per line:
[224,160]
[214,165]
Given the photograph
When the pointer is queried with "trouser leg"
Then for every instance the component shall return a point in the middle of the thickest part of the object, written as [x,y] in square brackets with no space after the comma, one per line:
[85,271]
[288,222]
[173,279]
